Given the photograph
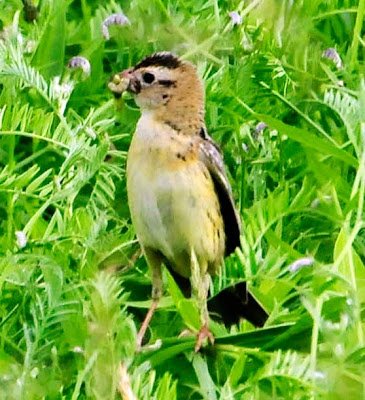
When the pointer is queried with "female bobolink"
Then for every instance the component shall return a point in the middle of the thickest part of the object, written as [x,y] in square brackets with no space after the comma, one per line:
[179,195]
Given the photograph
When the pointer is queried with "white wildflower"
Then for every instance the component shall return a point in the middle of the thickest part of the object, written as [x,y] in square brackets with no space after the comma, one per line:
[21,239]
[34,373]
[302,262]
[78,350]
[332,54]
[80,62]
[113,19]
[235,17]
[259,128]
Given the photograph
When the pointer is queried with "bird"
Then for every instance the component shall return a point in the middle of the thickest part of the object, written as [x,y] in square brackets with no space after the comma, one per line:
[179,195]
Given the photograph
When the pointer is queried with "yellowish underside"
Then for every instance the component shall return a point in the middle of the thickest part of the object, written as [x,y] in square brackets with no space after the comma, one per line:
[172,199]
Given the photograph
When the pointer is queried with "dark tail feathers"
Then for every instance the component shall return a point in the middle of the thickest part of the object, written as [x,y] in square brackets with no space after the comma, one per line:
[234,303]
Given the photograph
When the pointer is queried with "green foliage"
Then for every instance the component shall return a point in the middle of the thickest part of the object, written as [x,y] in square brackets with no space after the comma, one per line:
[73,288]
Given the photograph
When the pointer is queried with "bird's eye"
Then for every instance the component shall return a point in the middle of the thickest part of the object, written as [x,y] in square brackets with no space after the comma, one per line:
[148,77]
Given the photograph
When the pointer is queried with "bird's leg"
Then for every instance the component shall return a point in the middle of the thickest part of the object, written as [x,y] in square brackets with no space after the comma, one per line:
[200,286]
[154,261]
[204,332]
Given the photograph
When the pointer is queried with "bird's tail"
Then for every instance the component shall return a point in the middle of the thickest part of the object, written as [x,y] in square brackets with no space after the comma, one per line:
[236,302]
[230,305]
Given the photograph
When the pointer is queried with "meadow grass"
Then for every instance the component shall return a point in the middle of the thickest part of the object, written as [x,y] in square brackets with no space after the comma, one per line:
[285,101]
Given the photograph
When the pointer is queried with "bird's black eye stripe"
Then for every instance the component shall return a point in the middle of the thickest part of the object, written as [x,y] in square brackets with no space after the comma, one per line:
[148,77]
[166,82]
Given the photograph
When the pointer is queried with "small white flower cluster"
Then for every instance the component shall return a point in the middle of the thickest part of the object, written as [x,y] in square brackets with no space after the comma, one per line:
[301,262]
[113,19]
[332,54]
[235,18]
[21,239]
[80,62]
[62,92]
[261,126]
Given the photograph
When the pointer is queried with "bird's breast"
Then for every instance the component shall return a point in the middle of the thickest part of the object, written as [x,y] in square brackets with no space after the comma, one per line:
[172,199]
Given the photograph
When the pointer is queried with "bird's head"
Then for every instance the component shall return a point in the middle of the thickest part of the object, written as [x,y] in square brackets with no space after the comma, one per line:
[165,85]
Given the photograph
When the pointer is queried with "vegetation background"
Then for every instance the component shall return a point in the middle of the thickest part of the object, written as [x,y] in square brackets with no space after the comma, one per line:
[290,118]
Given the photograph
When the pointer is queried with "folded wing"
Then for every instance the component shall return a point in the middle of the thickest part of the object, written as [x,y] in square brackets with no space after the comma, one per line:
[211,156]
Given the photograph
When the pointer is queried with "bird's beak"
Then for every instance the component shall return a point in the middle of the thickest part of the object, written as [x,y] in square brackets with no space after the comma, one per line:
[124,81]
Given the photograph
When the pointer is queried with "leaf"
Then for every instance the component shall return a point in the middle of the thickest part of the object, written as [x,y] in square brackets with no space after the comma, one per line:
[296,336]
[189,313]
[168,350]
[50,53]
[309,140]
[351,265]
[53,278]
[166,388]
[32,187]
[186,307]
[205,380]
[174,289]
[237,370]
[256,339]
[23,179]
[164,302]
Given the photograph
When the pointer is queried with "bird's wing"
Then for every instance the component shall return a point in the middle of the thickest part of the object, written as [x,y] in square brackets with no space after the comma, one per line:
[211,157]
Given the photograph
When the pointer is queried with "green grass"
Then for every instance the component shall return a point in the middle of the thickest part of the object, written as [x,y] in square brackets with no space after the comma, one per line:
[74,295]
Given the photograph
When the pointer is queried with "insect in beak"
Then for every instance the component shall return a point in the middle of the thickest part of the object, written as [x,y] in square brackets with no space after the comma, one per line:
[124,81]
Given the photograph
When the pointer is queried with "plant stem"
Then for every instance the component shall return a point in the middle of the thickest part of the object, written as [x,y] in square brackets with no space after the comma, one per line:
[10,198]
[35,136]
[357,32]
[314,341]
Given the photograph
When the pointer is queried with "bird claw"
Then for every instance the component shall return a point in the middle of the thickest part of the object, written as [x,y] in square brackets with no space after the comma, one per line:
[203,334]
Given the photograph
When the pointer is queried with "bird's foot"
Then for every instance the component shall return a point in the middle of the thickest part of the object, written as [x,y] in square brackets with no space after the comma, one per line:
[203,334]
